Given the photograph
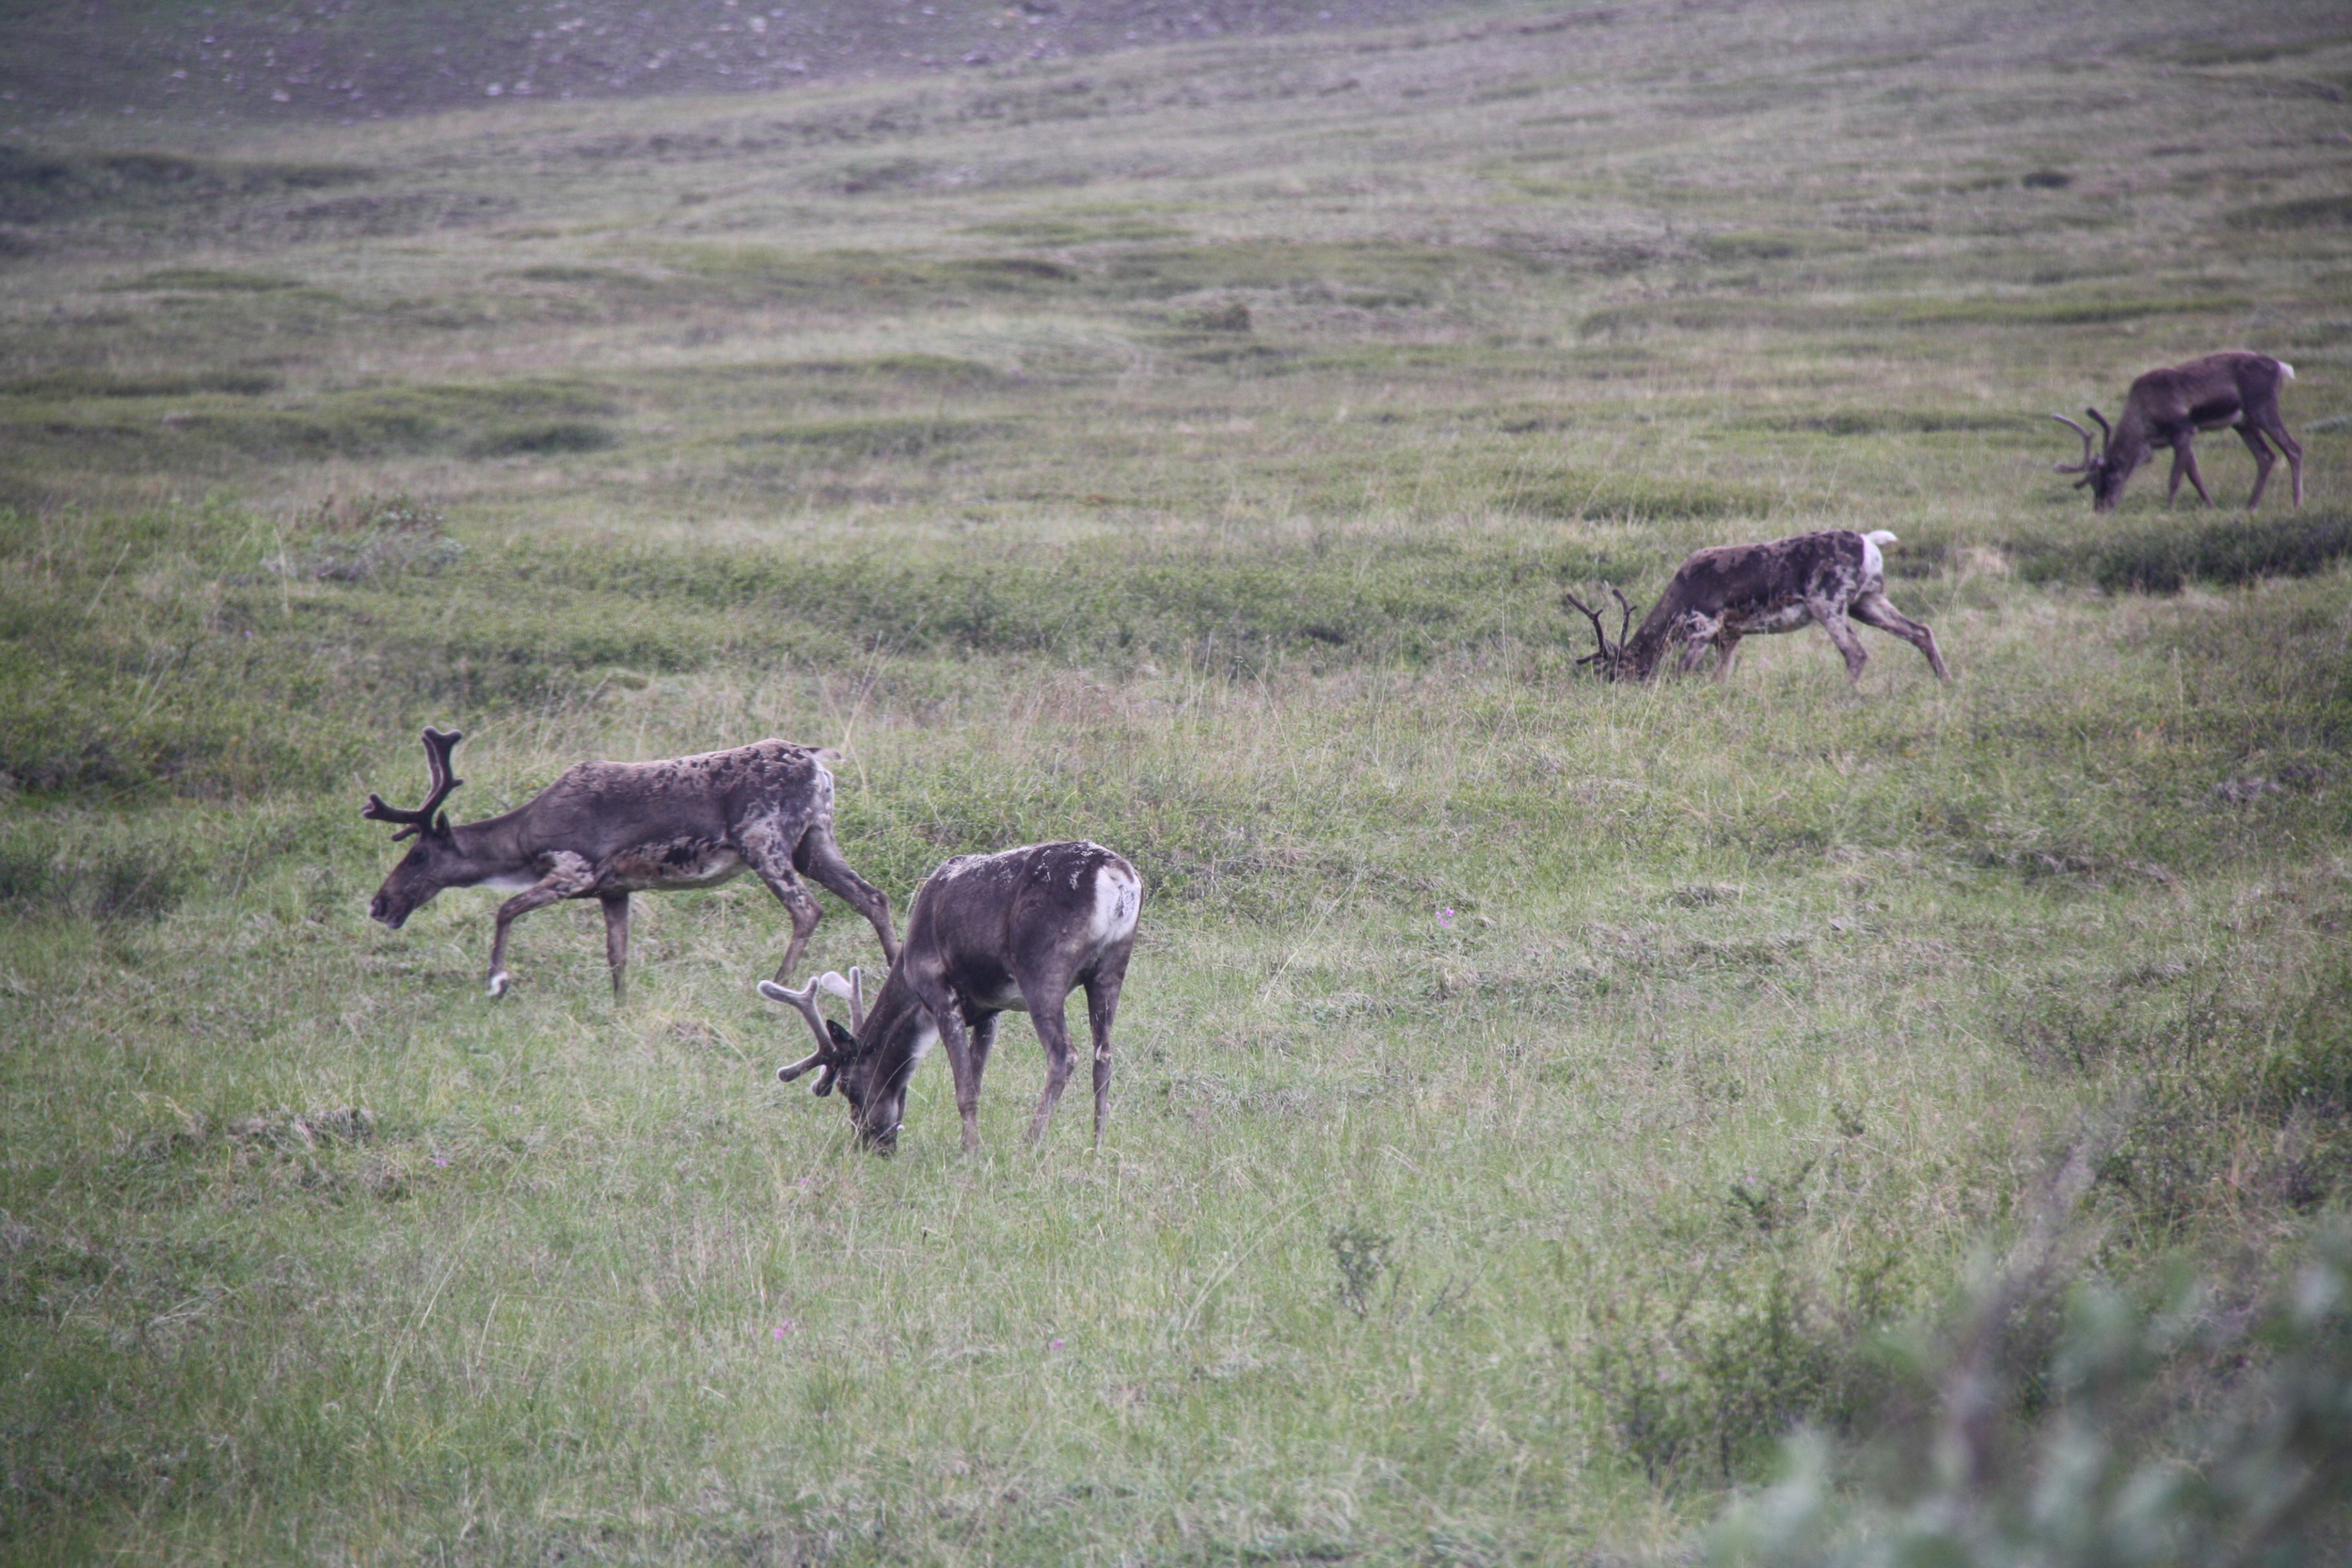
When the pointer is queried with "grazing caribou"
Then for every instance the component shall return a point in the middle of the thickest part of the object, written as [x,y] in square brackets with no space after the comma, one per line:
[986,934]
[2234,390]
[606,830]
[1720,595]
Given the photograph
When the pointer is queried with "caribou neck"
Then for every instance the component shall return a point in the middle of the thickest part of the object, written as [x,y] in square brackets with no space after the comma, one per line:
[898,1026]
[497,844]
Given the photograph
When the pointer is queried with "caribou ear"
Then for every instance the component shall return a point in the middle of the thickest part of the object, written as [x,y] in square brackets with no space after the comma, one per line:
[841,1036]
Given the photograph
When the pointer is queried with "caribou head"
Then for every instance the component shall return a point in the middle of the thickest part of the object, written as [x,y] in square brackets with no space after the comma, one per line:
[1609,659]
[2100,471]
[433,862]
[838,1061]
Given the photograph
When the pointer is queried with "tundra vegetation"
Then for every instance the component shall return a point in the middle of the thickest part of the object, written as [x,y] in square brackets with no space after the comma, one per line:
[1537,1098]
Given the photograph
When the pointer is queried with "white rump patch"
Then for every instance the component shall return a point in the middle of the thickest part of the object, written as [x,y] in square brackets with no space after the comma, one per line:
[1118,897]
[1873,564]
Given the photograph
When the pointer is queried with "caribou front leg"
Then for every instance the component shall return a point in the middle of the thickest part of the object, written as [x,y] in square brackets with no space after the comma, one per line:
[616,941]
[1832,619]
[2185,462]
[567,876]
[956,1040]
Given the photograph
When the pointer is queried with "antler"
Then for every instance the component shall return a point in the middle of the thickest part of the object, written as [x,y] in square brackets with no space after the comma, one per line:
[438,748]
[1601,633]
[1610,657]
[2089,461]
[851,990]
[827,1056]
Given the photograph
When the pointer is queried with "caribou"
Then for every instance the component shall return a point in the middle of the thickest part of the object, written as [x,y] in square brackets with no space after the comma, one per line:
[606,829]
[986,934]
[1720,595]
[2233,390]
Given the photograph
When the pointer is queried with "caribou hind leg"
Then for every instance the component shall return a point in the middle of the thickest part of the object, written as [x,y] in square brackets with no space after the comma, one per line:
[1101,1007]
[764,851]
[1047,997]
[2264,460]
[1873,609]
[821,857]
[2276,428]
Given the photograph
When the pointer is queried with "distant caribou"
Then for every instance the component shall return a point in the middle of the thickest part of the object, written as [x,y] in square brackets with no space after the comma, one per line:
[1720,595]
[606,830]
[2233,390]
[986,934]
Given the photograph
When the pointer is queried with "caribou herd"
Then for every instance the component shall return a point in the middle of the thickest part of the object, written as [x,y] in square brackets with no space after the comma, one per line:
[1019,930]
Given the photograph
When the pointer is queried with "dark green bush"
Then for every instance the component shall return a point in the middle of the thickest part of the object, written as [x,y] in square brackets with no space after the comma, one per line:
[557,436]
[2164,557]
[2158,1426]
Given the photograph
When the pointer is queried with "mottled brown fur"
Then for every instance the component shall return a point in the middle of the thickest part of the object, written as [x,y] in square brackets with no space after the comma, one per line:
[986,934]
[606,829]
[1721,595]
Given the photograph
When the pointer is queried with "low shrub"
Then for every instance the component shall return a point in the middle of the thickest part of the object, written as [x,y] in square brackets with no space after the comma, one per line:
[2165,557]
[2159,1425]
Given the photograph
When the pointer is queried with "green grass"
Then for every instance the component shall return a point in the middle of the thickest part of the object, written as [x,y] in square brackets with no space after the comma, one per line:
[1536,1100]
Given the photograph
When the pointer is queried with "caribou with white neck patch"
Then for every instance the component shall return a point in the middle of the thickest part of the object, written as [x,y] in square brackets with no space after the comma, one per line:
[2231,390]
[986,934]
[606,829]
[1720,595]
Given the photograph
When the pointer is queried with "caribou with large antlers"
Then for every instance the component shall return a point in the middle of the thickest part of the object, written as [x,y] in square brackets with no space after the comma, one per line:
[1720,595]
[2234,390]
[606,829]
[986,934]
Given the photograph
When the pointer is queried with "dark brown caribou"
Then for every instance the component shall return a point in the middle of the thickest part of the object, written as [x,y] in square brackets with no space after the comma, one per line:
[986,934]
[606,829]
[1720,595]
[2233,390]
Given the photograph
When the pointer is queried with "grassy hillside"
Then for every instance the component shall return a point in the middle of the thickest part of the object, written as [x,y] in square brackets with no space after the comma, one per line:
[1535,1099]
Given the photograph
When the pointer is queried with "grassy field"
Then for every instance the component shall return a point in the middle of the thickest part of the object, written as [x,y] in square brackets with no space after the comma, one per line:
[1535,1099]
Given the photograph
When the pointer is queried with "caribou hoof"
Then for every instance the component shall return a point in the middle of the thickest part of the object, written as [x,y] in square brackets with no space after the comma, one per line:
[499,983]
